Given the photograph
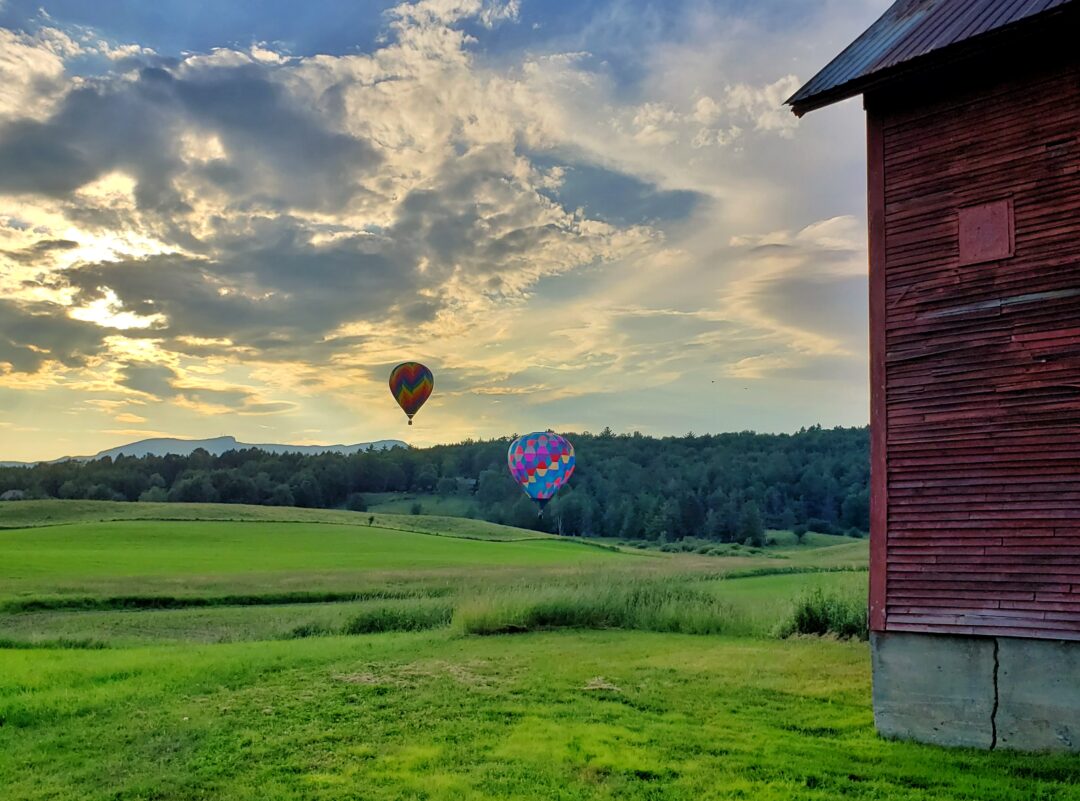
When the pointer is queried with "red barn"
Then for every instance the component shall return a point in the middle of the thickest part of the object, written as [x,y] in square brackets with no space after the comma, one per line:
[973,145]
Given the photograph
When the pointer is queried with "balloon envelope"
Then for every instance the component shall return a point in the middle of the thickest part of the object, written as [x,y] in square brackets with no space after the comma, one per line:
[541,463]
[411,384]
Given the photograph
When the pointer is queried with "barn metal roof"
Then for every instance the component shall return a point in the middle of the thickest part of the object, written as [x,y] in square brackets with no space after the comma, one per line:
[910,30]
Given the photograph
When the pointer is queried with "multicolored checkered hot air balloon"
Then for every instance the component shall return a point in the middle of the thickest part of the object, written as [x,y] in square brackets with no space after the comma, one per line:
[411,384]
[541,463]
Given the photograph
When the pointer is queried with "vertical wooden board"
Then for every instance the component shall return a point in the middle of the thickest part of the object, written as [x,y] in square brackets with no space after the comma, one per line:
[879,493]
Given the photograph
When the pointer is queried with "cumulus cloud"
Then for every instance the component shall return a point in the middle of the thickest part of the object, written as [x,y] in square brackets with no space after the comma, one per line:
[32,71]
[764,105]
[710,122]
[444,12]
[33,334]
[279,156]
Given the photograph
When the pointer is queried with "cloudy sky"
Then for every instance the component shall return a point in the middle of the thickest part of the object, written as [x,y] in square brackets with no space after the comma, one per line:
[235,218]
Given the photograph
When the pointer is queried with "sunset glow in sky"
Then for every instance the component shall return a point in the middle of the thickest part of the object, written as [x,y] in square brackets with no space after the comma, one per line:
[236,218]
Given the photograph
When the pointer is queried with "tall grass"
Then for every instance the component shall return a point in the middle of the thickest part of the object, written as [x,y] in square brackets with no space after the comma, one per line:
[649,604]
[417,614]
[604,600]
[821,613]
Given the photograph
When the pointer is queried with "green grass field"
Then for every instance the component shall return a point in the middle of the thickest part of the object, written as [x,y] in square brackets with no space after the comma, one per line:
[143,554]
[292,654]
[573,715]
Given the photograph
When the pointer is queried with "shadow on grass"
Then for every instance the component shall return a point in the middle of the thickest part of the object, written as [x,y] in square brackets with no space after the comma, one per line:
[130,602]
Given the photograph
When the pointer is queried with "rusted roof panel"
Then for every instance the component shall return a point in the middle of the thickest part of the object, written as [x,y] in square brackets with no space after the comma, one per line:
[909,30]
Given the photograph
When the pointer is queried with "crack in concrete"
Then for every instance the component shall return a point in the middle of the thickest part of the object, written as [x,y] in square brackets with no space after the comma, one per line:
[994,711]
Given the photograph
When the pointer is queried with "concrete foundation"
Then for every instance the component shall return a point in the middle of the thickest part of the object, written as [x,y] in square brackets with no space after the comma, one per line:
[980,692]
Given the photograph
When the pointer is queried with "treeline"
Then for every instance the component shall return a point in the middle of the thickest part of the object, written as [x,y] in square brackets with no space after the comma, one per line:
[725,487]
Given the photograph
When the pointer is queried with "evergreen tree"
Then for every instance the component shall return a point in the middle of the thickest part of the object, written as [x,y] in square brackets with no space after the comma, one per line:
[751,526]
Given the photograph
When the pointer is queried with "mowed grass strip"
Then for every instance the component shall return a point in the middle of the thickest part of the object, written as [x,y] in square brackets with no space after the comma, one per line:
[568,715]
[59,558]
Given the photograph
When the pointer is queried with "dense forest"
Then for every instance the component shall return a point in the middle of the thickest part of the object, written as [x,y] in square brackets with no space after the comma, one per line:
[725,487]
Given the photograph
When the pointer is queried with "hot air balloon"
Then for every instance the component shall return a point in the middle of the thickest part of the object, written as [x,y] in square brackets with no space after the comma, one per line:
[411,384]
[541,463]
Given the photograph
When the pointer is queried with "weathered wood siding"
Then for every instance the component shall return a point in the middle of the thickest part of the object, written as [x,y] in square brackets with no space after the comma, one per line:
[981,365]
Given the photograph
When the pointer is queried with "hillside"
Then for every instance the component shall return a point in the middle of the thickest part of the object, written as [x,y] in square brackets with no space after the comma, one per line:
[725,488]
[29,514]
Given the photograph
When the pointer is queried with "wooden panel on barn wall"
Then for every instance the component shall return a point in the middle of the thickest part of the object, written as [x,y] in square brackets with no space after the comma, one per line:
[982,348]
[985,232]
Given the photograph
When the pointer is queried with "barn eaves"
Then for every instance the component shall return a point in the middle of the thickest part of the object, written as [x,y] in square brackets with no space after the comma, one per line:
[916,35]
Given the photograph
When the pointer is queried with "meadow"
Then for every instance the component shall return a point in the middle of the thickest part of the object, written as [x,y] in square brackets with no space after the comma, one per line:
[237,652]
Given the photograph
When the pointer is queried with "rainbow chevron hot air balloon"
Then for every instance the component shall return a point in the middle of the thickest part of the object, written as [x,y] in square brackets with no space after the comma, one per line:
[541,463]
[411,384]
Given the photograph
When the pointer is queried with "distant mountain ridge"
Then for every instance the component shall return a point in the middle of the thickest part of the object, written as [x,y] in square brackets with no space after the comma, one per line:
[216,446]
